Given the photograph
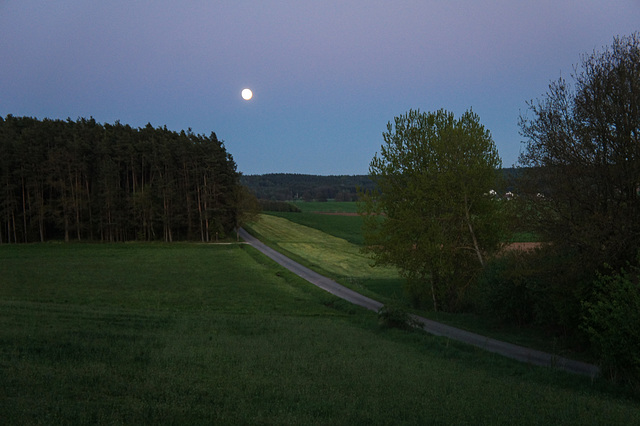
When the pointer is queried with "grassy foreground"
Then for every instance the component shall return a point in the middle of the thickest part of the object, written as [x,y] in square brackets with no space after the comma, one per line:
[202,334]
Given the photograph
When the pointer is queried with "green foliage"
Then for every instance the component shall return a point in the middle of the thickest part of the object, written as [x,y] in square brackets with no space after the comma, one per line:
[540,287]
[396,317]
[246,206]
[504,291]
[432,176]
[524,237]
[612,321]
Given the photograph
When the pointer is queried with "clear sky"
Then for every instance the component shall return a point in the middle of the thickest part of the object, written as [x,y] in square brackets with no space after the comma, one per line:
[326,75]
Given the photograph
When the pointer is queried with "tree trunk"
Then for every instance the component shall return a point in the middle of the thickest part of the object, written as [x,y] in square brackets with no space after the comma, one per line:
[476,248]
[200,215]
[24,212]
[15,232]
[434,279]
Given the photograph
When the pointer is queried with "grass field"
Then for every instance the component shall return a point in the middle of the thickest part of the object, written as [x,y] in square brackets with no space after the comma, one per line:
[327,206]
[201,334]
[330,255]
[348,228]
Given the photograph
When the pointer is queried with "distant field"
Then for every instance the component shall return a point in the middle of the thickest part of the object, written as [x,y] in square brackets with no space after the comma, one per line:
[345,227]
[204,334]
[332,217]
[340,219]
[327,206]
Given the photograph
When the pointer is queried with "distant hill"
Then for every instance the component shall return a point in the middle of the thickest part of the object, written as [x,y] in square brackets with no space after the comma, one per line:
[293,186]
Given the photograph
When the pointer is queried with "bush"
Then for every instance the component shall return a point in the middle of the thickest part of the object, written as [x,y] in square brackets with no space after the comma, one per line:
[544,288]
[503,291]
[395,317]
[612,321]
[451,288]
[419,292]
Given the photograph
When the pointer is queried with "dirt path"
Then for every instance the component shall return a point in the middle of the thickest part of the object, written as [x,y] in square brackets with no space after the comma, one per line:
[520,353]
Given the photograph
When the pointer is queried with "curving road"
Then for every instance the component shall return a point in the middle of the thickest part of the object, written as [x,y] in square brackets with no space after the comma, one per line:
[509,350]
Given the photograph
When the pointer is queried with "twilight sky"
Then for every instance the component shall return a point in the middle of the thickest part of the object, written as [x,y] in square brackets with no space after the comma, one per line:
[327,75]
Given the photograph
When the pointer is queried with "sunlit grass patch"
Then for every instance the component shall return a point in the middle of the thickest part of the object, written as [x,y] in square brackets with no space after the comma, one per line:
[334,255]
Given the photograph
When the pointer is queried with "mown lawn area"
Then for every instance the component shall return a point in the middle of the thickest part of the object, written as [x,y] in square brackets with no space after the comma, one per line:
[217,334]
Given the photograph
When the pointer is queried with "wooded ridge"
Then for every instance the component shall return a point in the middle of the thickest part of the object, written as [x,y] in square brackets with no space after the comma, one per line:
[293,186]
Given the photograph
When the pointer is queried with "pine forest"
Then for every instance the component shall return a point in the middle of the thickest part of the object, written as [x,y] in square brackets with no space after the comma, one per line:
[86,181]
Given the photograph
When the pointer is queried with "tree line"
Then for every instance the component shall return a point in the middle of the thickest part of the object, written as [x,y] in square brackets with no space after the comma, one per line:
[293,186]
[82,180]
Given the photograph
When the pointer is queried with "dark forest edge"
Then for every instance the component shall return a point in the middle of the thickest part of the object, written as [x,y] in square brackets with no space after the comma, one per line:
[86,181]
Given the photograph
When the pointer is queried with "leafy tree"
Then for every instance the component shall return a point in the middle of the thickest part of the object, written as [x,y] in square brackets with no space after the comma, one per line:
[430,214]
[246,206]
[583,154]
[611,321]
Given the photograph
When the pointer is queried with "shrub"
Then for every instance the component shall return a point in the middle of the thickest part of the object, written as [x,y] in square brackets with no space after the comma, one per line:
[612,321]
[503,291]
[419,294]
[544,287]
[395,317]
[450,288]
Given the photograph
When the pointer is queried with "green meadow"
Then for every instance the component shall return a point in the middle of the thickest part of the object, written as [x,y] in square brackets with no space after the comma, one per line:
[332,255]
[326,206]
[348,228]
[201,334]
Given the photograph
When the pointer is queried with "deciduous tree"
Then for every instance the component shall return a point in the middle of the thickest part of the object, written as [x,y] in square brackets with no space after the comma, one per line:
[583,154]
[431,215]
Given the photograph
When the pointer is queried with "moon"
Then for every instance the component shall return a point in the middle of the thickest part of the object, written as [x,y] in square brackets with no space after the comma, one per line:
[247,94]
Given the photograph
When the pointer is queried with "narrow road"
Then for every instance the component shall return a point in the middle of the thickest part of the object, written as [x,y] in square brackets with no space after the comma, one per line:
[520,353]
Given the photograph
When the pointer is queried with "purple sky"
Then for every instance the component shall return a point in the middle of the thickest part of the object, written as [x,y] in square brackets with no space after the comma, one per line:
[327,76]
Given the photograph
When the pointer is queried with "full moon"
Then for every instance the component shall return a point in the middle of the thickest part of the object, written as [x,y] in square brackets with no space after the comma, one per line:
[247,94]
